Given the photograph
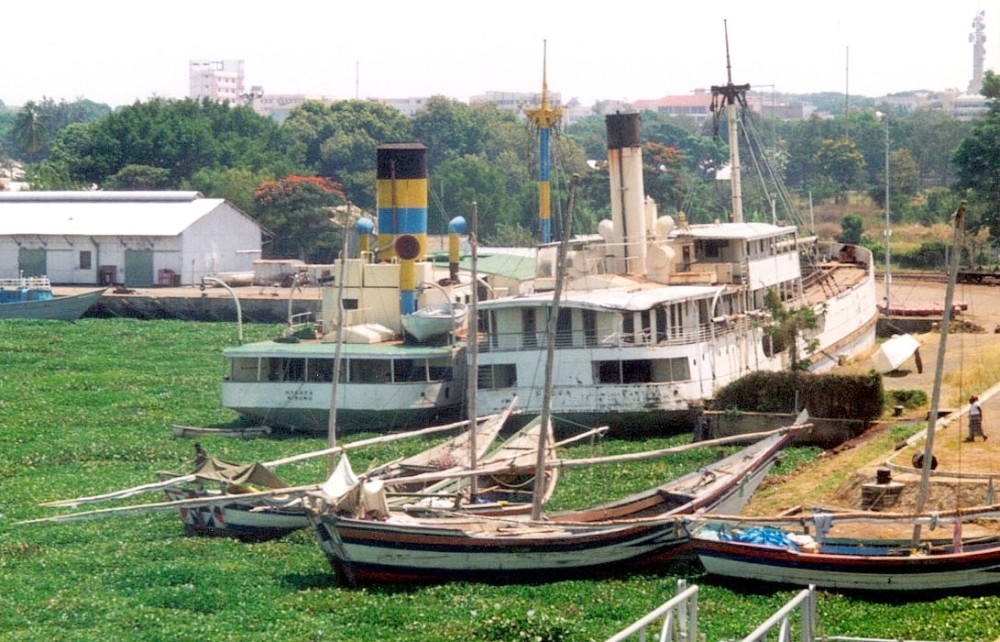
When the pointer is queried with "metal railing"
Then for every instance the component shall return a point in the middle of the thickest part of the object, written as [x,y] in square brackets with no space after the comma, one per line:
[676,619]
[26,282]
[804,604]
[515,341]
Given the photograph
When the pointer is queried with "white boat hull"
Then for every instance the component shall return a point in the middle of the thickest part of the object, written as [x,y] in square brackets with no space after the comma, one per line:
[306,406]
[874,570]
[59,308]
[630,533]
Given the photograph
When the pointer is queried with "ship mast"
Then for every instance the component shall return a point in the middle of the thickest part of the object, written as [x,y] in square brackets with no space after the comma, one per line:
[731,95]
[544,118]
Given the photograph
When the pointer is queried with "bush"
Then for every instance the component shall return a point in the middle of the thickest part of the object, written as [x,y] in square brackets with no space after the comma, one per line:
[824,395]
[906,398]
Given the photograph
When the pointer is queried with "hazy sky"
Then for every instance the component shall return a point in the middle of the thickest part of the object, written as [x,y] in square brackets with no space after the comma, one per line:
[116,52]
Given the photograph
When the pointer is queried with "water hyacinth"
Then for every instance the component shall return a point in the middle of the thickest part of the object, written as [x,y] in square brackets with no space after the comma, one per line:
[86,407]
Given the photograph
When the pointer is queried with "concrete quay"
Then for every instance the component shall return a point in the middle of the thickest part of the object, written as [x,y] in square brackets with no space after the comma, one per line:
[258,304]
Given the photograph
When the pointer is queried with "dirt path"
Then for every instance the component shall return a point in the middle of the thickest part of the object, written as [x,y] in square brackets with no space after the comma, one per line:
[972,360]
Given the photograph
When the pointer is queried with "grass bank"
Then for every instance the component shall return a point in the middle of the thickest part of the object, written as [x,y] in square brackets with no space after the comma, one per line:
[86,407]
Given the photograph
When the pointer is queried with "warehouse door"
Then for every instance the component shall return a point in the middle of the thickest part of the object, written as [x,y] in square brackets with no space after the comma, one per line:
[139,268]
[31,262]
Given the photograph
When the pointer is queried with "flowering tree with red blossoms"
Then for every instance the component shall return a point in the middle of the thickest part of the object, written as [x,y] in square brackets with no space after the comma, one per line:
[297,210]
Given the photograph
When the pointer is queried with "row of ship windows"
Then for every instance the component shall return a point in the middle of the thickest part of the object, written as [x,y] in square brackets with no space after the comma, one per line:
[493,376]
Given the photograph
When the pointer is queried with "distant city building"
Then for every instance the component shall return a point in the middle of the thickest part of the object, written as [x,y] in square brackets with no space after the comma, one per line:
[694,106]
[217,80]
[906,102]
[516,101]
[408,106]
[961,106]
[279,106]
[783,108]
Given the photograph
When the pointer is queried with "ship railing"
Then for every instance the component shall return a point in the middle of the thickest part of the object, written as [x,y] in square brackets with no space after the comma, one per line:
[26,283]
[676,619]
[520,341]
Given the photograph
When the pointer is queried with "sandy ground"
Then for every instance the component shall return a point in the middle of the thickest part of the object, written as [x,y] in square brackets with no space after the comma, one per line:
[963,477]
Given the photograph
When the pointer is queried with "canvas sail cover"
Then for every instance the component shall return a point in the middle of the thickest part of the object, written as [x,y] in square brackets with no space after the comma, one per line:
[256,474]
[345,494]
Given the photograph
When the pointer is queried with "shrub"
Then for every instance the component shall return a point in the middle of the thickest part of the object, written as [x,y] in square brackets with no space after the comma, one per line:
[825,395]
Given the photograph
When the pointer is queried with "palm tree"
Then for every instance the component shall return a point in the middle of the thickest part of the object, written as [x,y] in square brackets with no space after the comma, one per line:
[28,131]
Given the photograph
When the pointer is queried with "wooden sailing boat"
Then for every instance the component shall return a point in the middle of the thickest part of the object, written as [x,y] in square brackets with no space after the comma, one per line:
[810,551]
[250,502]
[364,546]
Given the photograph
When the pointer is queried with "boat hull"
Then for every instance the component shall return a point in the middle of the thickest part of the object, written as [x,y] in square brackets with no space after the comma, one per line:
[362,552]
[877,571]
[315,418]
[631,533]
[60,308]
[244,521]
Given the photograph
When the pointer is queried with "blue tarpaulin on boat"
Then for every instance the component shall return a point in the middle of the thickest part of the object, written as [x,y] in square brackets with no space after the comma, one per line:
[762,536]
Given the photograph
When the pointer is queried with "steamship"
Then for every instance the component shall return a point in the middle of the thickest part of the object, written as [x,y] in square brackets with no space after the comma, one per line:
[385,379]
[658,314]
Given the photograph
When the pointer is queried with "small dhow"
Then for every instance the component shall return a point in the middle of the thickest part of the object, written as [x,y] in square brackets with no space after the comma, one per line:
[31,297]
[251,502]
[366,542]
[810,551]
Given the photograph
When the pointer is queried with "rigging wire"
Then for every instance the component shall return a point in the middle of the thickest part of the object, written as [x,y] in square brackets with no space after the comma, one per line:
[761,160]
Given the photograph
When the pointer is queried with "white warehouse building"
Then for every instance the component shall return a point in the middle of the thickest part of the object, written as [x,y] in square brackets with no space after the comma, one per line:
[135,239]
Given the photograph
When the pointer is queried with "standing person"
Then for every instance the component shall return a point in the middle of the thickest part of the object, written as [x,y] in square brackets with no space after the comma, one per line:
[975,419]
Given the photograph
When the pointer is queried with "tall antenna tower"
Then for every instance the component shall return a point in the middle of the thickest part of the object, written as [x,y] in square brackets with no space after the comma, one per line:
[978,40]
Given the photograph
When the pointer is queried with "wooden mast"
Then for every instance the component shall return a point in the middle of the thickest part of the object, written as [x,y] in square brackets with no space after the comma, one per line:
[550,345]
[932,418]
[731,95]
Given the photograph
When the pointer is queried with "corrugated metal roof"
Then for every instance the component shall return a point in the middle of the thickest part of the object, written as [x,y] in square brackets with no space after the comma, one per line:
[515,266]
[102,213]
[615,299]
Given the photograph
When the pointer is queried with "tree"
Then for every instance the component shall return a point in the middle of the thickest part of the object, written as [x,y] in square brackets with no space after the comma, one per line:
[180,136]
[472,178]
[851,228]
[139,178]
[932,137]
[29,133]
[297,210]
[787,325]
[977,163]
[664,176]
[904,184]
[842,162]
[36,125]
[449,129]
[235,184]
[340,140]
